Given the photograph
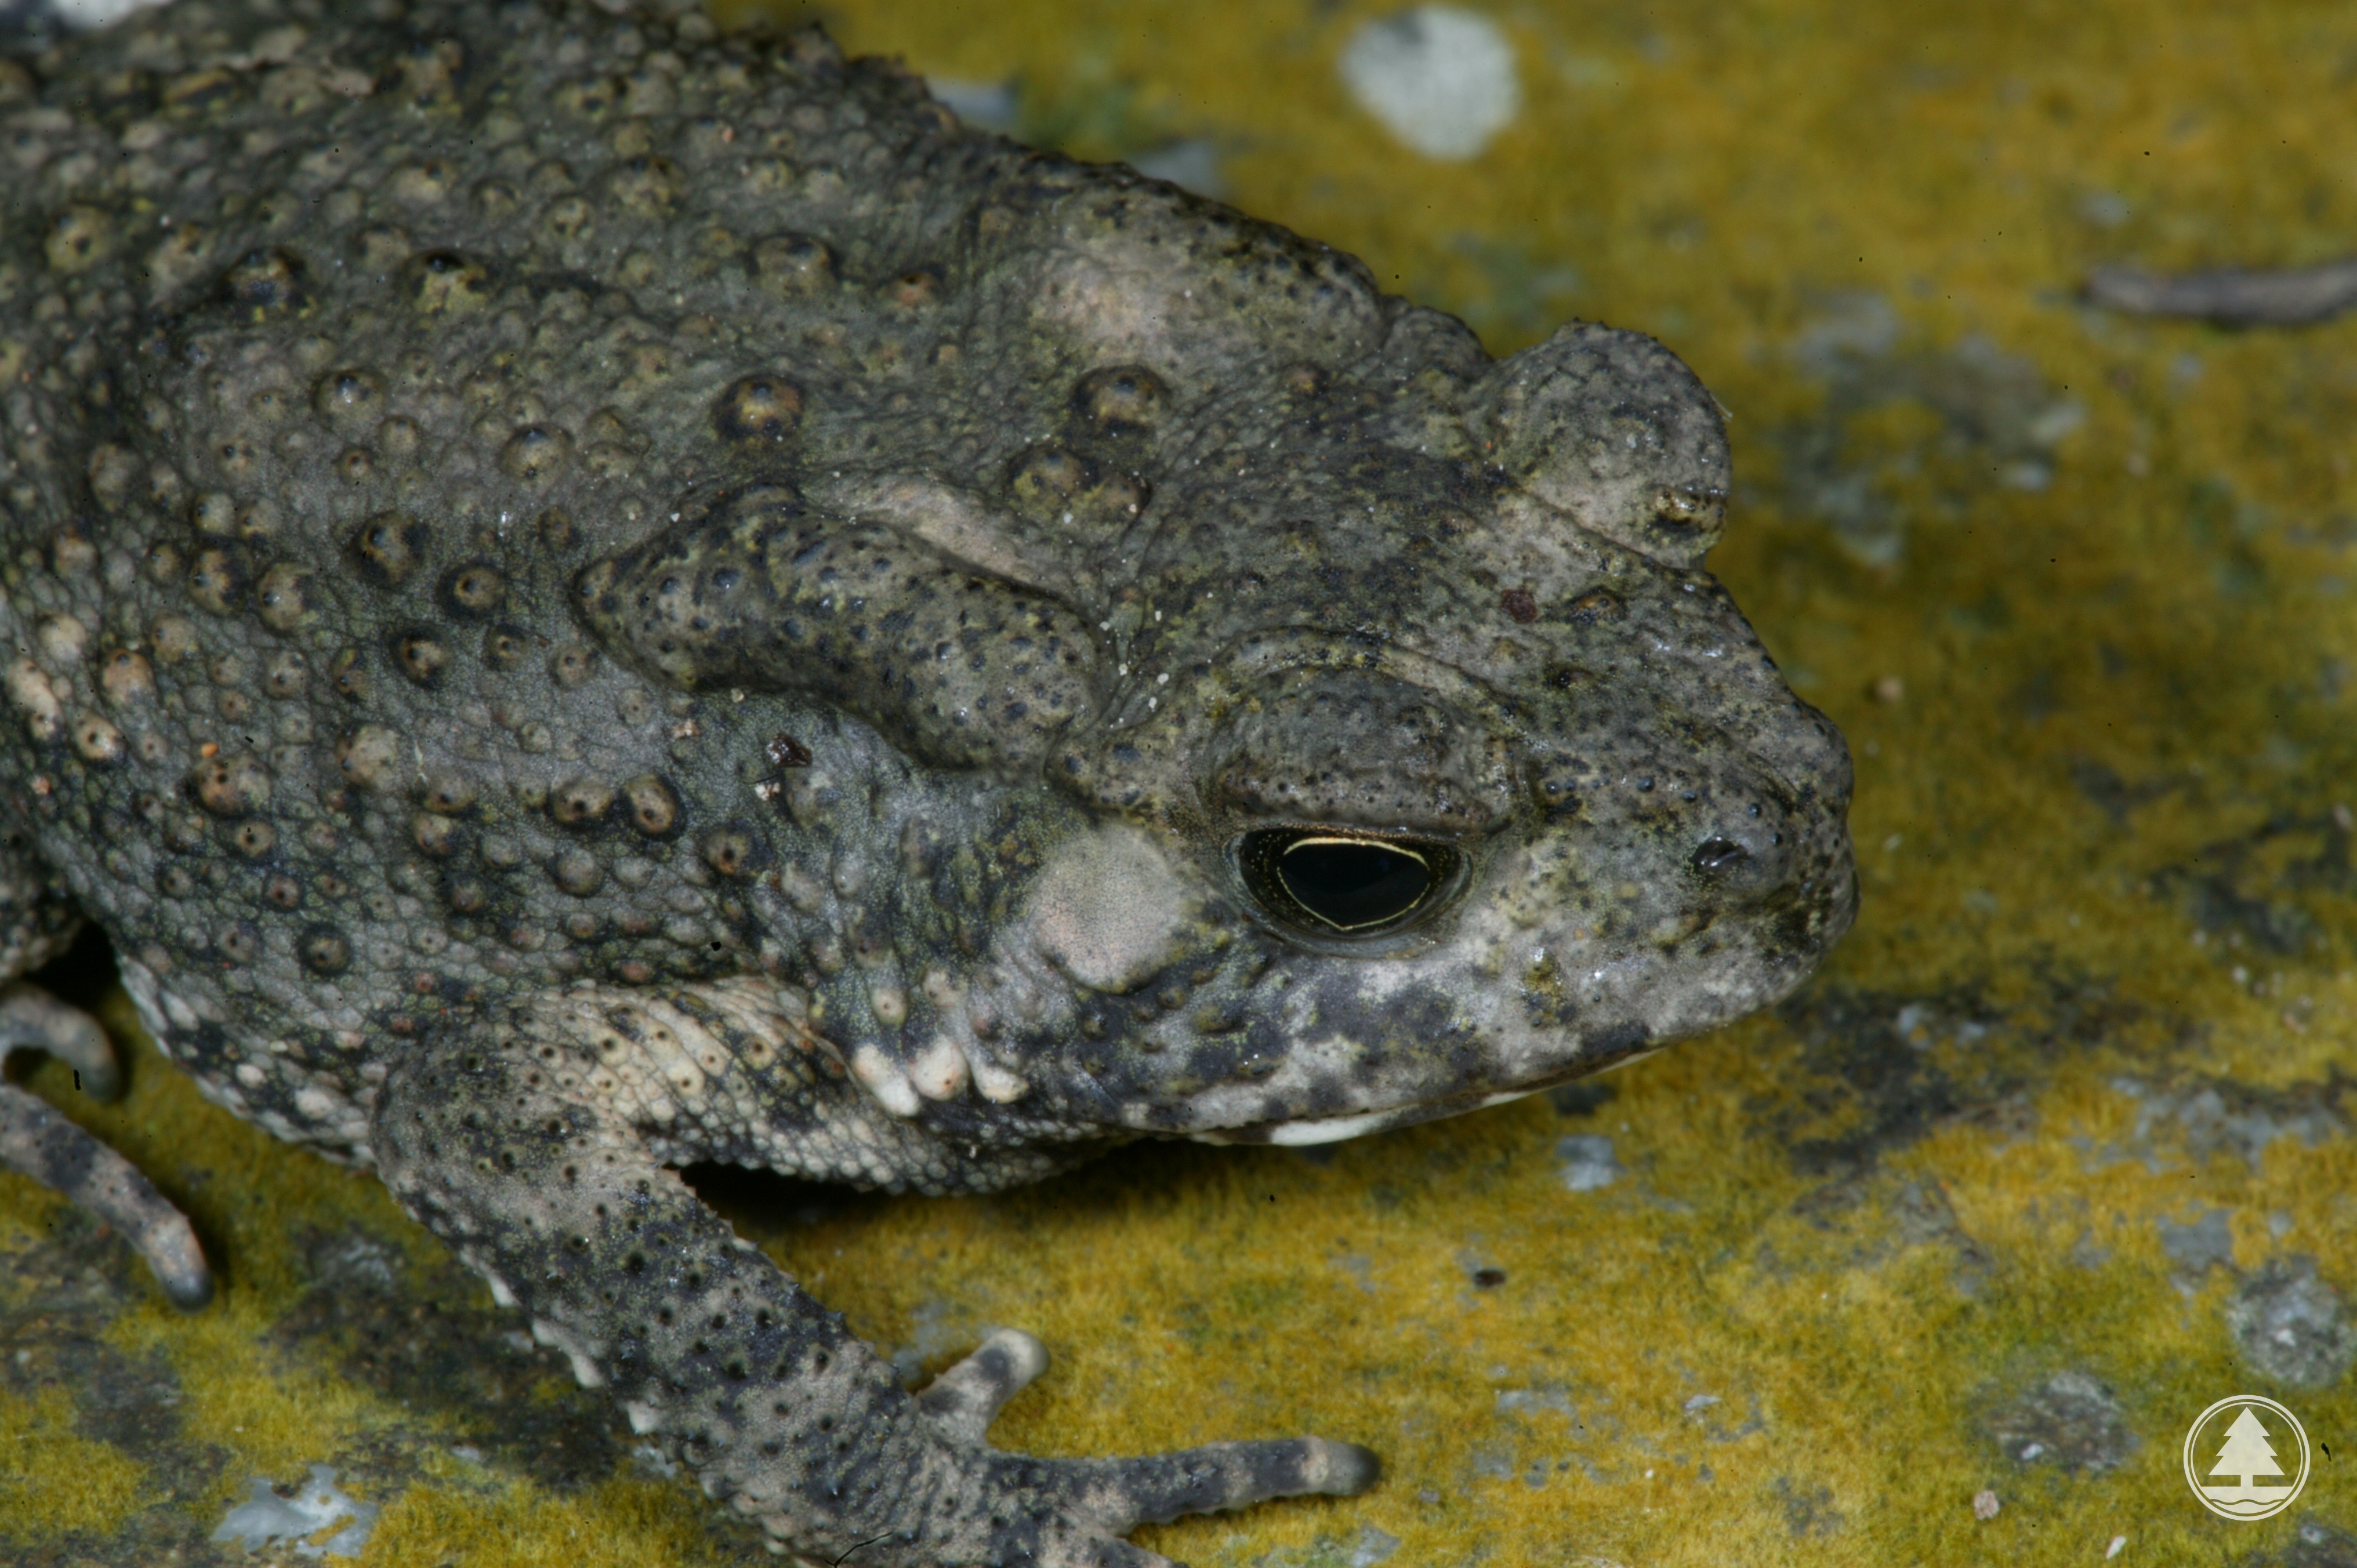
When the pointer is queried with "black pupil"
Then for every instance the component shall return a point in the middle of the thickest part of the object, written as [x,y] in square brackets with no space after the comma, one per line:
[1352,884]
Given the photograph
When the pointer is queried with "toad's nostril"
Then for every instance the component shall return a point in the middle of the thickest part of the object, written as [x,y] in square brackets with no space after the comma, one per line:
[1718,854]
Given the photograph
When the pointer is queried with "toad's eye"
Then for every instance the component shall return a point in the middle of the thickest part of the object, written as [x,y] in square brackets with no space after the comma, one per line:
[1331,884]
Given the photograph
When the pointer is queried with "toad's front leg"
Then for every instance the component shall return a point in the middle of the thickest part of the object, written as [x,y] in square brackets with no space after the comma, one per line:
[785,1415]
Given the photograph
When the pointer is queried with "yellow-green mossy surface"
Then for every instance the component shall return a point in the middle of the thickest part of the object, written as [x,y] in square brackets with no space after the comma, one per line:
[2032,1172]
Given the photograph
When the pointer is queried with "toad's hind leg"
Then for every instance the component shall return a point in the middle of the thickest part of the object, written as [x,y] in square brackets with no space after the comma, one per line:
[504,1145]
[36,1140]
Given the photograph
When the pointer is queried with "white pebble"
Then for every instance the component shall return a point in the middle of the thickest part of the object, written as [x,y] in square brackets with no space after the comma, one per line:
[1441,79]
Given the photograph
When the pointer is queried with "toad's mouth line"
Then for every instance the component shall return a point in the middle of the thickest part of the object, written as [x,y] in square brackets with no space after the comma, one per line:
[1312,1129]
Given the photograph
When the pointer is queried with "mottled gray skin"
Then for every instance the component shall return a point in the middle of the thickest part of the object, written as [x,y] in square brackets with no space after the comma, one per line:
[582,596]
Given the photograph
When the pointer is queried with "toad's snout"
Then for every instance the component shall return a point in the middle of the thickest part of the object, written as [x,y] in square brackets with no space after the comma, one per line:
[1685,829]
[1750,837]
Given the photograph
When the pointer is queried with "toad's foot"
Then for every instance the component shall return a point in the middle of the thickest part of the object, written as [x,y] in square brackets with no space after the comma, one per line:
[38,1142]
[962,1401]
[1122,1493]
[537,1162]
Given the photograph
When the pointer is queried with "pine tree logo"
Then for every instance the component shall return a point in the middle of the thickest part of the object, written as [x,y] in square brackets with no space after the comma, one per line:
[2234,1457]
